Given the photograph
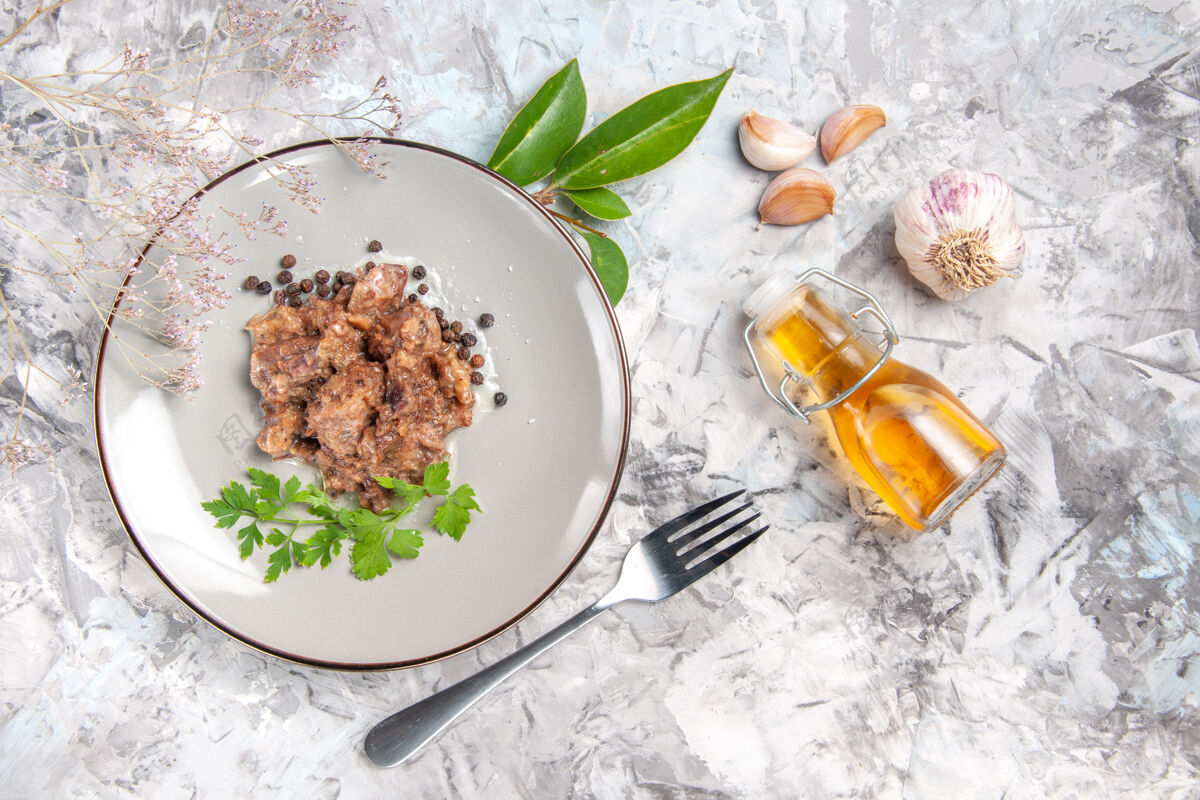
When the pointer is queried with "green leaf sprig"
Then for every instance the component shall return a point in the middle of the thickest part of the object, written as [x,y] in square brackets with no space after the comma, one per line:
[541,142]
[376,537]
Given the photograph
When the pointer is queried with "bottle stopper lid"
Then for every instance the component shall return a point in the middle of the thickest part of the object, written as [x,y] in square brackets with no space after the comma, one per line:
[768,293]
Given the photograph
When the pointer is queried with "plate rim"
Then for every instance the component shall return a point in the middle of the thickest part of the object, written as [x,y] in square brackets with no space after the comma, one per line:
[585,546]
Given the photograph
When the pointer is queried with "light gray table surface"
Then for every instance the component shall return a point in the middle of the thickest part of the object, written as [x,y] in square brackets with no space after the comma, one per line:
[1043,644]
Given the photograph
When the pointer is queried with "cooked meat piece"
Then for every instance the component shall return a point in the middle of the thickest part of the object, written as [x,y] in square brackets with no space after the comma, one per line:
[381,289]
[454,376]
[283,425]
[402,449]
[276,325]
[418,411]
[412,328]
[340,476]
[341,344]
[345,406]
[374,496]
[306,449]
[384,338]
[284,371]
[359,384]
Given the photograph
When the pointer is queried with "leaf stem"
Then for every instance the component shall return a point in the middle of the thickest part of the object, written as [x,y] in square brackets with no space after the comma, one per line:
[578,223]
[545,196]
[295,522]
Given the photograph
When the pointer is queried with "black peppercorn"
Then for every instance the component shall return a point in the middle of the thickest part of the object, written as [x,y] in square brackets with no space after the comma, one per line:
[423,288]
[284,277]
[375,246]
[322,276]
[443,323]
[294,301]
[370,265]
[499,398]
[251,282]
[288,261]
[477,361]
[306,286]
[486,320]
[412,298]
[464,352]
[336,286]
[437,312]
[456,326]
[322,290]
[418,272]
[263,287]
[292,289]
[477,377]
[447,336]
[469,339]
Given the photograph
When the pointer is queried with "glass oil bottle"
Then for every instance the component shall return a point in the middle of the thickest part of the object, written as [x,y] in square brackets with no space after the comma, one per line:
[909,437]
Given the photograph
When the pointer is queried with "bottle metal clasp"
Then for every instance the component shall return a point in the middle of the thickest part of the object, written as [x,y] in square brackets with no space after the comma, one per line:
[780,394]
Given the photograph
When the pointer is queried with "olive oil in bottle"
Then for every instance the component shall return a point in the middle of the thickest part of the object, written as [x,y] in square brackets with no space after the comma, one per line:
[909,437]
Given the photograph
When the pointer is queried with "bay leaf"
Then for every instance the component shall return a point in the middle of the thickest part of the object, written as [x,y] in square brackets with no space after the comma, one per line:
[543,129]
[599,202]
[641,136]
[610,265]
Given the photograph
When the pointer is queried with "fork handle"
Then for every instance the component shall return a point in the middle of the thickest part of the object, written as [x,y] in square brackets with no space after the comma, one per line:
[396,738]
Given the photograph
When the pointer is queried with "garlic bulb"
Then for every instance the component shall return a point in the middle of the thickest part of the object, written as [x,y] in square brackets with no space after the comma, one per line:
[772,144]
[959,232]
[796,196]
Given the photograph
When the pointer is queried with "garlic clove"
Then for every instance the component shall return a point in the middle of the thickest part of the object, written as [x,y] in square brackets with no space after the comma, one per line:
[849,127]
[959,232]
[771,144]
[796,196]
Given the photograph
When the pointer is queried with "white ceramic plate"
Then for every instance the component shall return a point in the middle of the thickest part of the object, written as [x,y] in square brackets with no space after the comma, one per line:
[545,467]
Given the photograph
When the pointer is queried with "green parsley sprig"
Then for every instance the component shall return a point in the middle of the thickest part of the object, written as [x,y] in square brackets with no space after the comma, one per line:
[377,538]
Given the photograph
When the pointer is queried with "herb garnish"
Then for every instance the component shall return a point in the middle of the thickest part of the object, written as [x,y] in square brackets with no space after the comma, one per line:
[377,537]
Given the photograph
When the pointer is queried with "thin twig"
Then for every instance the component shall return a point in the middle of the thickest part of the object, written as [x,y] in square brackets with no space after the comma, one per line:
[578,223]
[134,187]
[37,12]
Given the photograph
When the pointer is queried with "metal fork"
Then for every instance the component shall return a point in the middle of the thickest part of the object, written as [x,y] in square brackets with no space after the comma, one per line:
[669,558]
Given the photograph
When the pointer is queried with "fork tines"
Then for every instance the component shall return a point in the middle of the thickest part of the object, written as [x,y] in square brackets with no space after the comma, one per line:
[708,545]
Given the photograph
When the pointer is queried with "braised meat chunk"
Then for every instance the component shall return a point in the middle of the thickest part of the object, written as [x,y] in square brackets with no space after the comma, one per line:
[345,406]
[359,384]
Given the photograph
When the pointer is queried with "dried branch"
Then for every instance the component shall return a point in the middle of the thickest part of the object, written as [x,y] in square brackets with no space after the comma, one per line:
[119,149]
